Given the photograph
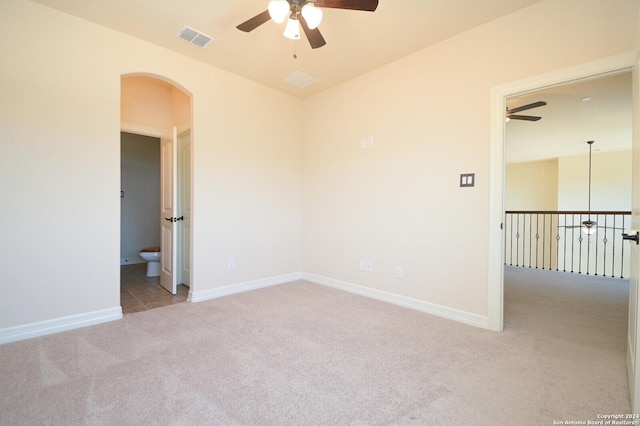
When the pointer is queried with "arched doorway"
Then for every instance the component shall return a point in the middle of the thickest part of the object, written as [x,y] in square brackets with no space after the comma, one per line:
[156,116]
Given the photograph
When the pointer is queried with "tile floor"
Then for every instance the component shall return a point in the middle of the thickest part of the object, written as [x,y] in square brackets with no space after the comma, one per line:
[140,293]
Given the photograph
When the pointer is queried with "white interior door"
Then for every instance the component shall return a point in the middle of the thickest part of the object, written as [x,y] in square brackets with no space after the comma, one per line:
[168,275]
[184,202]
[633,358]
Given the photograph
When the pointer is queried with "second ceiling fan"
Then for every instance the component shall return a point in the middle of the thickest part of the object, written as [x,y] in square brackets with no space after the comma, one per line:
[511,113]
[305,14]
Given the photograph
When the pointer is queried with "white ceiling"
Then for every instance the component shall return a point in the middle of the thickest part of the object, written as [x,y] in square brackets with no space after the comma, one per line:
[568,121]
[356,41]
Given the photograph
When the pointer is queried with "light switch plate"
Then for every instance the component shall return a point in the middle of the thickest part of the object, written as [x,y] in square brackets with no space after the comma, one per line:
[467,179]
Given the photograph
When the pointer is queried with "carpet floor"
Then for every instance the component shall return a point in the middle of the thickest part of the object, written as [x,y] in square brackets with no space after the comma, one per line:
[304,354]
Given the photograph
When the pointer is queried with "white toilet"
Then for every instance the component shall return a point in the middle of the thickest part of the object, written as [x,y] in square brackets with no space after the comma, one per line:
[153,256]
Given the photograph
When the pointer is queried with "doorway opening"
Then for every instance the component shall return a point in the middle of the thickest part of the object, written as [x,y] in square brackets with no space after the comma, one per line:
[554,265]
[155,193]
[499,96]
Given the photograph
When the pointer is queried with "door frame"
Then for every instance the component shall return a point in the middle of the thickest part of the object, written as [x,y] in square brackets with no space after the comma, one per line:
[499,95]
[184,231]
[157,132]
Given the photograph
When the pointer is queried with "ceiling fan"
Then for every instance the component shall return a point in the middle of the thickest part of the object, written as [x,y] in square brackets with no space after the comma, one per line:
[305,13]
[511,113]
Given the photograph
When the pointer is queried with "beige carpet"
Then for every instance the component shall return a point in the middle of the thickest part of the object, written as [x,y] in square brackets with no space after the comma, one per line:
[303,354]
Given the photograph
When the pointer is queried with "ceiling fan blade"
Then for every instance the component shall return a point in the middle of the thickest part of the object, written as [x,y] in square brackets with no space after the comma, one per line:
[523,117]
[254,22]
[528,106]
[313,35]
[366,5]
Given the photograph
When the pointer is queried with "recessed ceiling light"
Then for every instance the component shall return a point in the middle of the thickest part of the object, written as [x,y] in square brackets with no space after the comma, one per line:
[586,99]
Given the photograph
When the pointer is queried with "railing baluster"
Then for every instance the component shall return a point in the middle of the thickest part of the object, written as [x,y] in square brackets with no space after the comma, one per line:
[595,269]
[580,240]
[524,237]
[605,240]
[537,237]
[517,240]
[550,241]
[557,243]
[573,221]
[530,239]
[511,242]
[564,260]
[589,251]
[544,234]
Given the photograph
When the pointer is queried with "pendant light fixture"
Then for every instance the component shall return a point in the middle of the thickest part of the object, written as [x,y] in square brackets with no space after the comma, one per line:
[589,226]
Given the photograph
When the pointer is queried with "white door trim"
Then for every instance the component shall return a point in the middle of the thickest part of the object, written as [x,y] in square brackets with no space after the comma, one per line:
[499,95]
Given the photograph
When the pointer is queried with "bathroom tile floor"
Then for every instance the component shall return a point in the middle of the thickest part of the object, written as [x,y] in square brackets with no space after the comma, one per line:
[140,293]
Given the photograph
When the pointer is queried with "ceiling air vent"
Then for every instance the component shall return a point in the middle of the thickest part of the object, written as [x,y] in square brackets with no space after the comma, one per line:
[300,79]
[196,37]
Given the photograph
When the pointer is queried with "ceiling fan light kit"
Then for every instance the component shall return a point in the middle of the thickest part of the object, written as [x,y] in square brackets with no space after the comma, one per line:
[292,30]
[303,13]
[589,227]
[278,10]
[312,15]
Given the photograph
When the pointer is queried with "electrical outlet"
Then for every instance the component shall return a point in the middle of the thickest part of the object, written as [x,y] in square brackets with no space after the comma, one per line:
[369,142]
[366,143]
[368,266]
[231,265]
[399,272]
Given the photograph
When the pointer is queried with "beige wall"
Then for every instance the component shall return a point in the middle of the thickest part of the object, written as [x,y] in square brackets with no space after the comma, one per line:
[532,186]
[60,115]
[146,101]
[397,204]
[610,182]
[563,184]
[150,103]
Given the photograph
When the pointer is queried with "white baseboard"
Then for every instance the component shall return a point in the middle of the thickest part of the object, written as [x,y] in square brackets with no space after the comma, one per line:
[199,296]
[407,302]
[27,331]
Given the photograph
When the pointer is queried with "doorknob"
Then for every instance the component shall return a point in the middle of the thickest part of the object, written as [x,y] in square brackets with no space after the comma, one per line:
[179,218]
[633,237]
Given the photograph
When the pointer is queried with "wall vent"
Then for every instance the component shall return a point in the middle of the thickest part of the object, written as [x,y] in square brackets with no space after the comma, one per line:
[195,37]
[300,79]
